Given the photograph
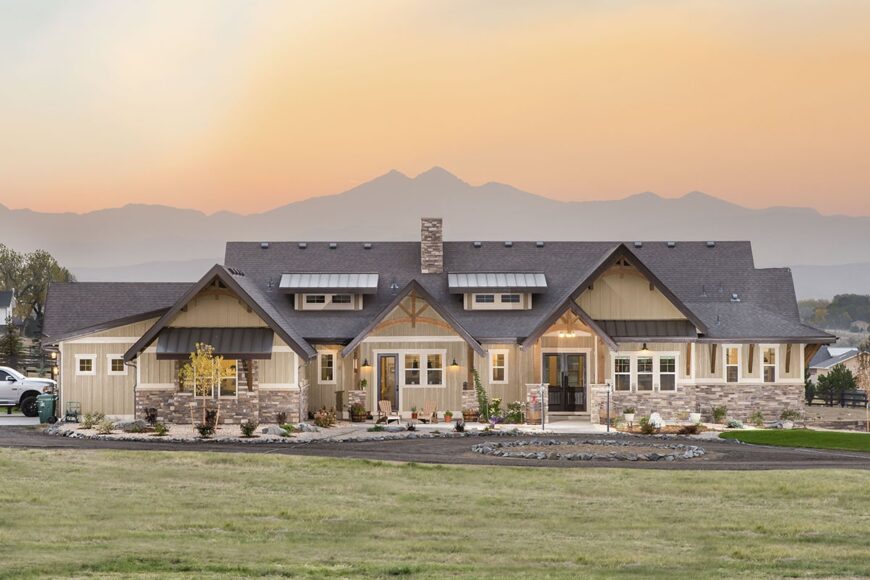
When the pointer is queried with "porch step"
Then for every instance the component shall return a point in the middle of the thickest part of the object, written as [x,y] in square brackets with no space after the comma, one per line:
[560,416]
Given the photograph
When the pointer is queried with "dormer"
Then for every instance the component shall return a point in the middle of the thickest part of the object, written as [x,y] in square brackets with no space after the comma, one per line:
[497,290]
[328,290]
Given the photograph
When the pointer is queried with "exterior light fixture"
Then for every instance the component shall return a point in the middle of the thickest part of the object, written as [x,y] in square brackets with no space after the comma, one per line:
[645,351]
[53,355]
[54,370]
[454,363]
[366,364]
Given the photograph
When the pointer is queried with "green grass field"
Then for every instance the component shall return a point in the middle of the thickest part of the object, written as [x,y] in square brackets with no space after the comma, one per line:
[105,513]
[803,438]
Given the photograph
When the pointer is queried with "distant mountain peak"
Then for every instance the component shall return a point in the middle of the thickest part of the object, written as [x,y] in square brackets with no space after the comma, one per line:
[438,174]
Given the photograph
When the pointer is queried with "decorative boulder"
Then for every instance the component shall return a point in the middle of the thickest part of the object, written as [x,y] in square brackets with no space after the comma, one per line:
[307,428]
[137,425]
[784,425]
[656,420]
[273,430]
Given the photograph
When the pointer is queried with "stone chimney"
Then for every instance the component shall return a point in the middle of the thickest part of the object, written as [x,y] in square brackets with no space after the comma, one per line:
[431,246]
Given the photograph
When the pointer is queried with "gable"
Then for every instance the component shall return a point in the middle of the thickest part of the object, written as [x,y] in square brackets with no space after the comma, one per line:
[622,292]
[216,307]
[413,316]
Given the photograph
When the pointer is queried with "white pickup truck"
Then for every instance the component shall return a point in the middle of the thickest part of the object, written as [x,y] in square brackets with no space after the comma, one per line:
[16,390]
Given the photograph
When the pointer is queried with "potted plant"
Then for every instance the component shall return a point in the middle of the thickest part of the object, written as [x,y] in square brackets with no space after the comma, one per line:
[448,416]
[694,418]
[413,412]
[470,415]
[628,414]
[357,413]
[363,384]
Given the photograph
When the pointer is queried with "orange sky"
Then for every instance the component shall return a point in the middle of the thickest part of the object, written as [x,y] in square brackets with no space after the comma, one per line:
[247,105]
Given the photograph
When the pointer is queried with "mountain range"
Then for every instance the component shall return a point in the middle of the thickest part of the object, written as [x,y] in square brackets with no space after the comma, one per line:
[828,253]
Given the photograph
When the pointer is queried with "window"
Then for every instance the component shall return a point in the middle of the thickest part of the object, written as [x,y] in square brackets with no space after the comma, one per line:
[341,298]
[315,299]
[498,366]
[412,369]
[484,298]
[326,365]
[644,373]
[768,363]
[510,298]
[434,369]
[667,373]
[622,372]
[732,364]
[229,383]
[116,365]
[86,364]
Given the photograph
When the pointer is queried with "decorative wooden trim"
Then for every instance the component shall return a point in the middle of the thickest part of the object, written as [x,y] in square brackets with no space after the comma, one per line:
[713,348]
[787,358]
[688,360]
[751,357]
[421,319]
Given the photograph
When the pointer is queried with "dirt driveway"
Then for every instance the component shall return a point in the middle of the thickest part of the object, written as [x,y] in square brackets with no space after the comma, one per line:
[722,455]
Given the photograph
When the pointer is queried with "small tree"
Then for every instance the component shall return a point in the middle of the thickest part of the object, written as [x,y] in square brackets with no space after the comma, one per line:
[11,345]
[835,383]
[203,374]
[482,399]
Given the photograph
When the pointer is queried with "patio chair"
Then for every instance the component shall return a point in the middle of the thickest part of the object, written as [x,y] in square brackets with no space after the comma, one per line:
[386,410]
[428,414]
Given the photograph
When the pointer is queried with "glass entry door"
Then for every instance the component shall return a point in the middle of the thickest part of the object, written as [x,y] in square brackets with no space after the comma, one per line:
[565,375]
[388,379]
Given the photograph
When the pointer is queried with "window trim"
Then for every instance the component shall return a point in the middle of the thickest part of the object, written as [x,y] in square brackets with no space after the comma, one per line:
[320,355]
[492,354]
[479,298]
[424,368]
[109,371]
[658,367]
[739,365]
[652,372]
[621,373]
[511,295]
[775,365]
[312,299]
[633,382]
[92,358]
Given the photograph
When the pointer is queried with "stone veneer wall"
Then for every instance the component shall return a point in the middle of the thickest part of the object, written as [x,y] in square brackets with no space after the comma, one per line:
[469,400]
[431,246]
[174,406]
[741,400]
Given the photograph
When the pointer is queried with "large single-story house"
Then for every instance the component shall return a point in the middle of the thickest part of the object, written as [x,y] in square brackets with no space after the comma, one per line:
[672,327]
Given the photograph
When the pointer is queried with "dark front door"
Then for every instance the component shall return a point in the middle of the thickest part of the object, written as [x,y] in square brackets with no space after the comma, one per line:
[565,375]
[388,379]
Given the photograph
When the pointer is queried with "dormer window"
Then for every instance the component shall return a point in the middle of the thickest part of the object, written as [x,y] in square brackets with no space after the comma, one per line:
[342,299]
[498,301]
[324,301]
[315,299]
[484,298]
[510,298]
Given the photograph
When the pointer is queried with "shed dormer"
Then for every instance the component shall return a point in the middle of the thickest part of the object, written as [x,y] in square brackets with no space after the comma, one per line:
[328,290]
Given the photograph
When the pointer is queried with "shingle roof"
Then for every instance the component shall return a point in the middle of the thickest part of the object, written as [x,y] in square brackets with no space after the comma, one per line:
[824,359]
[702,277]
[75,306]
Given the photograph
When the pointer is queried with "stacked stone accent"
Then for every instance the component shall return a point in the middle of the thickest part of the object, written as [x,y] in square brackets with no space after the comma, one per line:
[740,400]
[535,403]
[469,400]
[431,246]
[354,397]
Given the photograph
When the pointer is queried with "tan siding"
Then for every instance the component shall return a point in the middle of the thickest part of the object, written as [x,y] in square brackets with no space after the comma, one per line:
[628,297]
[795,369]
[702,364]
[110,394]
[156,372]
[135,329]
[279,370]
[210,309]
[756,361]
[421,328]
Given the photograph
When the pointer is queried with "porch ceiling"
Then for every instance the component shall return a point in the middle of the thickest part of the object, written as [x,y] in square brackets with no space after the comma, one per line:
[178,343]
[638,330]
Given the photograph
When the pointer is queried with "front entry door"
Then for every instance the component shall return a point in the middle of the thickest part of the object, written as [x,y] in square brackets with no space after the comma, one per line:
[388,379]
[565,375]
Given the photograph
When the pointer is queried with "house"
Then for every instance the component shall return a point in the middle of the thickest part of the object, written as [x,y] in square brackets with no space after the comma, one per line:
[829,357]
[664,326]
[7,305]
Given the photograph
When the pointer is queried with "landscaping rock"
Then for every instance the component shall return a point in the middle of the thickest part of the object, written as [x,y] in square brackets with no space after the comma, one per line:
[273,430]
[132,425]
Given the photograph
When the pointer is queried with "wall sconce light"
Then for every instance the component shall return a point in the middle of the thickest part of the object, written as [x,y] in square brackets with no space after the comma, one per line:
[54,370]
[645,351]
[454,363]
[53,355]
[366,364]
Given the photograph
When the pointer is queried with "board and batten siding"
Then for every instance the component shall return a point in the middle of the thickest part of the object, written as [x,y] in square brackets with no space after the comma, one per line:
[615,296]
[210,308]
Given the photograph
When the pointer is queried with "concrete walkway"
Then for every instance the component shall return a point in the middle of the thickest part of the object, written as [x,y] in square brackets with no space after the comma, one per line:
[17,419]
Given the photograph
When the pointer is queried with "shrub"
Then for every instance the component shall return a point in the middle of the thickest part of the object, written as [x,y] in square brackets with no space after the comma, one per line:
[757,418]
[515,412]
[248,428]
[104,427]
[482,399]
[628,411]
[835,383]
[693,429]
[160,430]
[280,417]
[377,428]
[790,415]
[87,421]
[289,429]
[205,430]
[324,418]
[719,414]
[151,415]
[495,407]
[646,426]
[734,424]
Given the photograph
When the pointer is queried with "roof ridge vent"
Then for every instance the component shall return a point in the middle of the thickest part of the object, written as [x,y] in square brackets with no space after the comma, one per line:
[508,244]
[302,245]
[476,244]
[367,246]
[638,244]
[711,244]
[333,245]
[672,244]
[735,297]
[264,245]
[235,272]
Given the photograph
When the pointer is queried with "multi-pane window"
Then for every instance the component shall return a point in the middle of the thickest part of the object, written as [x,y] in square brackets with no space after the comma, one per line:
[86,365]
[315,299]
[732,364]
[116,365]
[229,378]
[510,298]
[769,364]
[498,367]
[622,372]
[644,373]
[667,373]
[327,367]
[412,369]
[341,299]
[434,369]
[484,298]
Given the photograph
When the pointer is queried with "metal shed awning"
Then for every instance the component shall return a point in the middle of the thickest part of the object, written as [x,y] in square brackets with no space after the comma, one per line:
[178,343]
[461,282]
[649,330]
[358,283]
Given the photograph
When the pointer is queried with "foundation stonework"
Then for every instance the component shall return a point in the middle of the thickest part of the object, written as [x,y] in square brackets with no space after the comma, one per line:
[740,400]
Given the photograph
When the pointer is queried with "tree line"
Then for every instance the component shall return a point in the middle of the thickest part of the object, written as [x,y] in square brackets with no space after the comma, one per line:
[30,274]
[843,312]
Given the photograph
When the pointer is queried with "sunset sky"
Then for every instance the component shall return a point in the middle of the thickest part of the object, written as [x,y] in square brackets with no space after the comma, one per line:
[246,105]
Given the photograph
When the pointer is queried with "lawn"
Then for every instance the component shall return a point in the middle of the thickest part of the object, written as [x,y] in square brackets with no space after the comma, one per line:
[80,513]
[803,438]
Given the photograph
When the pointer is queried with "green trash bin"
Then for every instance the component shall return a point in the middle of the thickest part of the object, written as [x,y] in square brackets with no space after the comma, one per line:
[46,404]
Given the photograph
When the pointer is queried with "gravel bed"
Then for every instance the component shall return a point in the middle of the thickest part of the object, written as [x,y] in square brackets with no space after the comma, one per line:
[589,450]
